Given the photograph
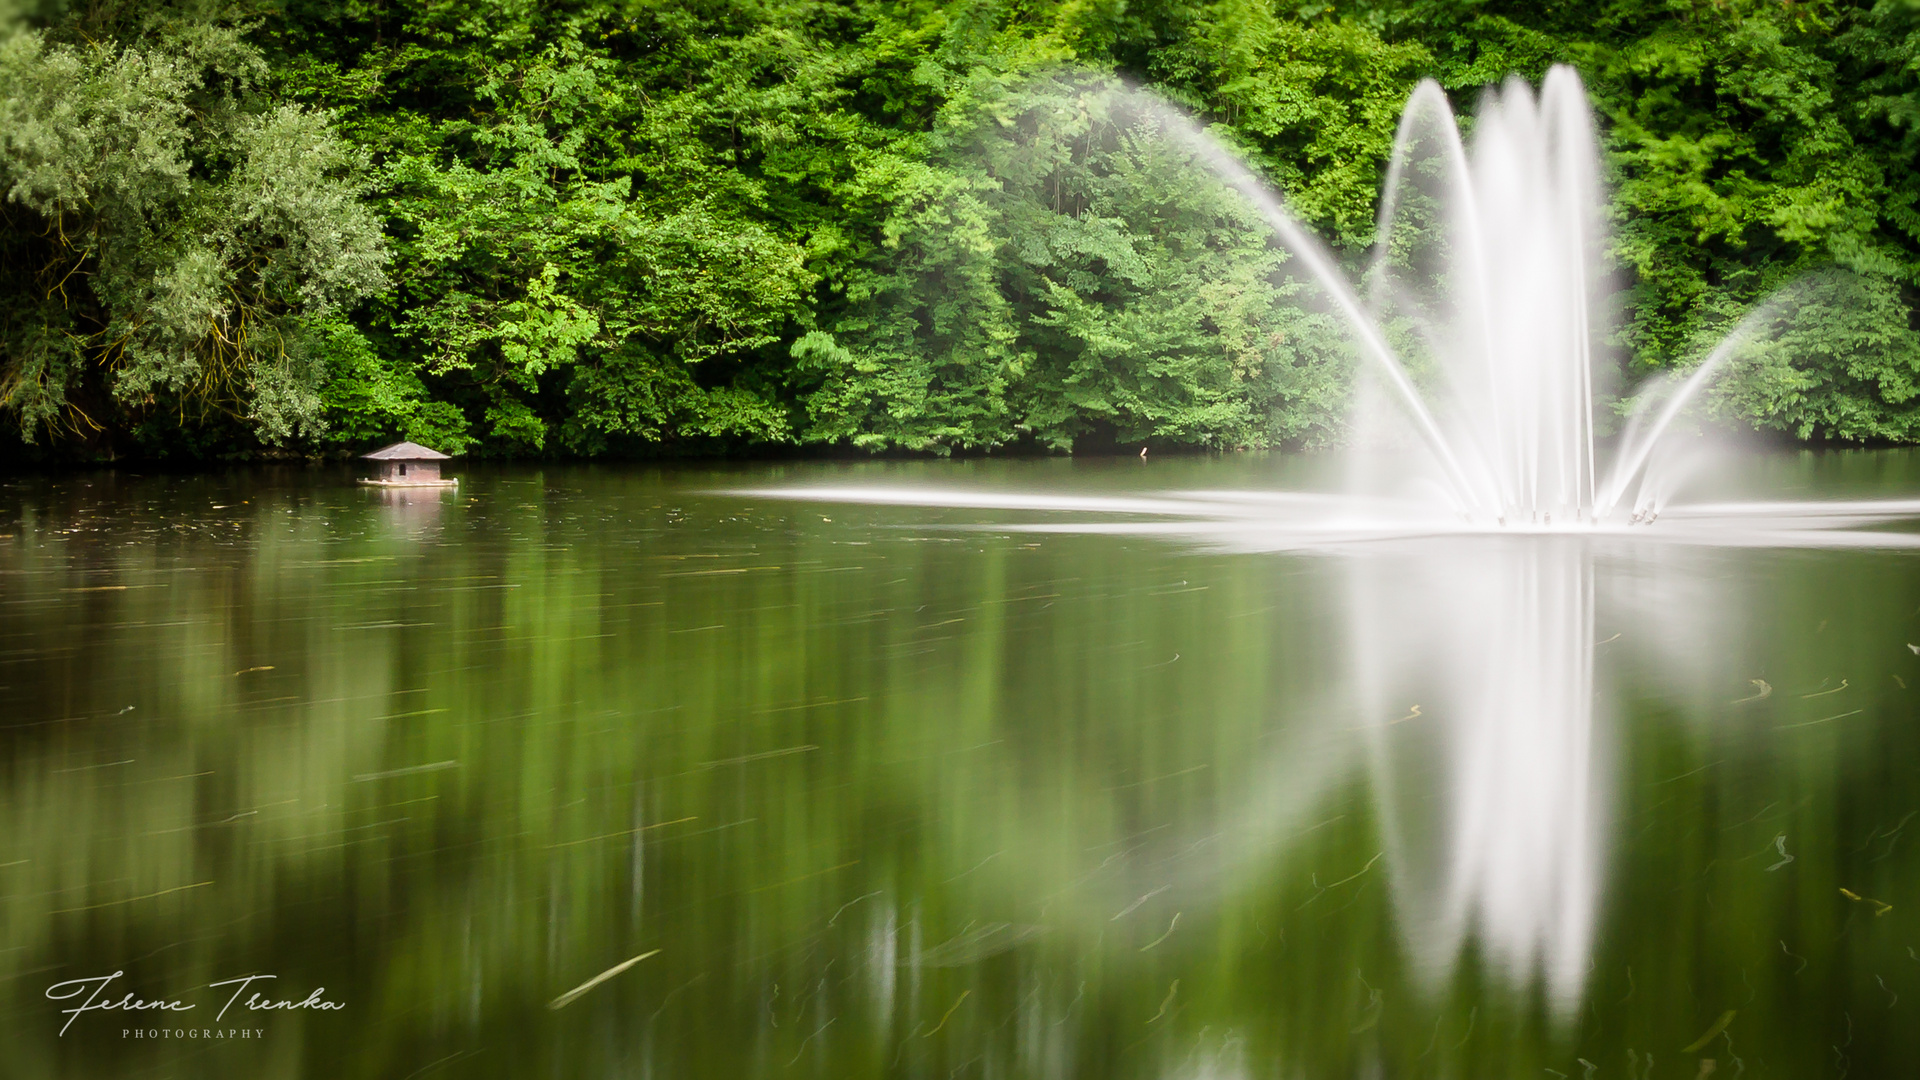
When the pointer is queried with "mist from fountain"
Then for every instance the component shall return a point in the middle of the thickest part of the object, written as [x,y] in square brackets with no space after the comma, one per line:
[1470,561]
[1489,278]
[1482,322]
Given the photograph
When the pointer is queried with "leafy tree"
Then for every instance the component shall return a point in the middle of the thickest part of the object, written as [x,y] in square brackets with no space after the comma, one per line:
[1081,272]
[169,234]
[1749,145]
[666,226]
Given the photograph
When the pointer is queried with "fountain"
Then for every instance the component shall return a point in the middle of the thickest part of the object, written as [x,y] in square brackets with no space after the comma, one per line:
[1478,564]
[1481,324]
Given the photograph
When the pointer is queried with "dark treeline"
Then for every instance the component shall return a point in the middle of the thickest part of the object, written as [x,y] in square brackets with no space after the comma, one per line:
[601,227]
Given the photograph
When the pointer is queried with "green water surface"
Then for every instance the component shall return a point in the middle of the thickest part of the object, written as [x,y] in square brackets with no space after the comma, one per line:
[880,794]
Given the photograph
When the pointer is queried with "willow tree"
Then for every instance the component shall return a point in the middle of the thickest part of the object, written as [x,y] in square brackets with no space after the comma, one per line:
[169,235]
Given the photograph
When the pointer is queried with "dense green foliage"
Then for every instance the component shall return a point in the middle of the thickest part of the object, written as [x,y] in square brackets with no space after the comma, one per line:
[639,226]
[175,235]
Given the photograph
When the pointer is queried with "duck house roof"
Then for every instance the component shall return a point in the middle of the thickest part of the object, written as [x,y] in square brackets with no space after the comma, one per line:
[406,451]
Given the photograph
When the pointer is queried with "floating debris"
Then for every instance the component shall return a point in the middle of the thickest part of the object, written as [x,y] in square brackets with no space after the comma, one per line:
[1880,907]
[1822,720]
[1795,956]
[949,1016]
[816,1031]
[573,995]
[408,771]
[131,899]
[850,903]
[1135,906]
[1165,936]
[1175,988]
[975,866]
[1370,1018]
[975,945]
[1713,1033]
[762,756]
[1473,1014]
[622,833]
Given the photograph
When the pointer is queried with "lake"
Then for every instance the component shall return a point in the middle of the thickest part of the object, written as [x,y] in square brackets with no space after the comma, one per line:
[899,791]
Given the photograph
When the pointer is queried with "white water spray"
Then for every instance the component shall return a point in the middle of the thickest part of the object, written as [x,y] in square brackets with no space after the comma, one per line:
[1473,587]
[1489,261]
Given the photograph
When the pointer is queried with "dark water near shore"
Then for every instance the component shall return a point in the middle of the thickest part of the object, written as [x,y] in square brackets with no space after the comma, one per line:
[881,797]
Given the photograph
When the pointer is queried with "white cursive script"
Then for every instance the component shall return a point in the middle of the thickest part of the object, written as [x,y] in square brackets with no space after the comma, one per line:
[95,990]
[256,1002]
[99,984]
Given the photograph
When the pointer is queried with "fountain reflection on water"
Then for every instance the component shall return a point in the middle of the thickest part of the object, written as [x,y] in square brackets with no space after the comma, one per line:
[1487,651]
[1473,563]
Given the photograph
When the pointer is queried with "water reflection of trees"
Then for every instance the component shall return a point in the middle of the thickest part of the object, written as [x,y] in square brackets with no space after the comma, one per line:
[965,750]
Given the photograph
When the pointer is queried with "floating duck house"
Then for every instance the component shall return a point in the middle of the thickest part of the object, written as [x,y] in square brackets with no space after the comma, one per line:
[406,464]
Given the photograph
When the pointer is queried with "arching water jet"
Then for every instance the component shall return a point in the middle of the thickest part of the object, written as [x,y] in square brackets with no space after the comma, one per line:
[1472,578]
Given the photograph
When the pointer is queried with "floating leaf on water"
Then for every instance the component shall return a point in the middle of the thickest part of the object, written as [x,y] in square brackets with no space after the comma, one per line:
[570,996]
[949,1016]
[1713,1032]
[1880,907]
[1824,693]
